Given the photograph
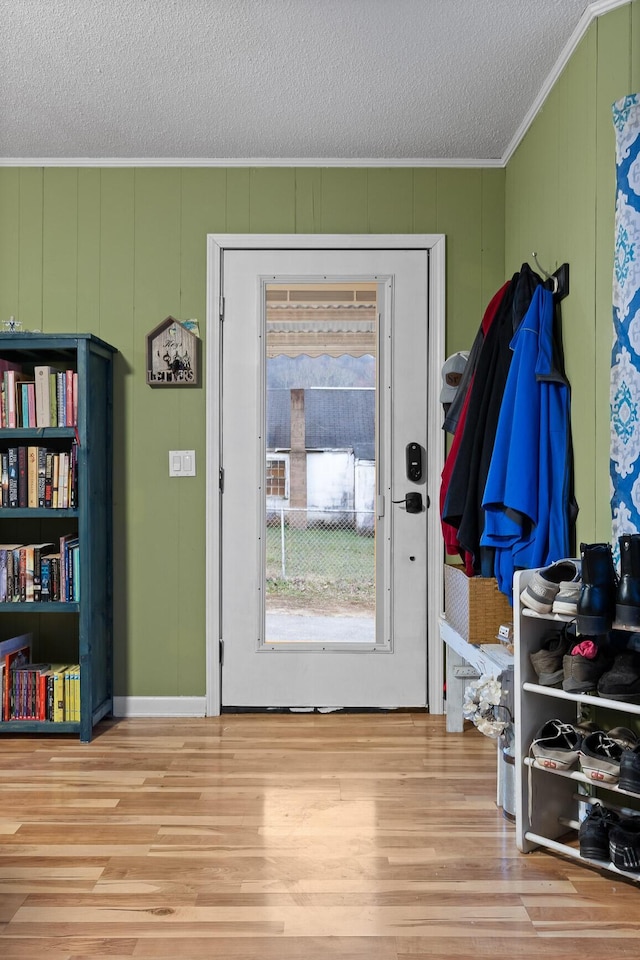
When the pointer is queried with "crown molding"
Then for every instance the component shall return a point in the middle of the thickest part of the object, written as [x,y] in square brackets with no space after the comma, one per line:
[258,162]
[594,10]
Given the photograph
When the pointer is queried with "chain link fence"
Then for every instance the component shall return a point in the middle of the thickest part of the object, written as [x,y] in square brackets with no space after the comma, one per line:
[327,551]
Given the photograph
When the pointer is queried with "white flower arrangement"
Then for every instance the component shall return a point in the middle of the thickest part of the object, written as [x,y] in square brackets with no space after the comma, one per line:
[482,704]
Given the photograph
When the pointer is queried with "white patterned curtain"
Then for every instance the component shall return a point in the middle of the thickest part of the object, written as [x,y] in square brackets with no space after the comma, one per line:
[625,357]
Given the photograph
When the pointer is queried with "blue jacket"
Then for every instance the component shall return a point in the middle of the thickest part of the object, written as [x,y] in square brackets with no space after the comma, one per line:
[528,489]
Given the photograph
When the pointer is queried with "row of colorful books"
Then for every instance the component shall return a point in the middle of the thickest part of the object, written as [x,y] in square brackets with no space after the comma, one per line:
[41,396]
[40,572]
[36,691]
[34,476]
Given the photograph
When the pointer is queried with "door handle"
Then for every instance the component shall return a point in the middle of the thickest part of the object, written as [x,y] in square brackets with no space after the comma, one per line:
[412,502]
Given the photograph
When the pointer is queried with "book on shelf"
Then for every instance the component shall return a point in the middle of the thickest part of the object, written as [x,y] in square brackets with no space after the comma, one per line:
[42,374]
[13,652]
[39,549]
[4,477]
[12,379]
[32,476]
[6,570]
[69,564]
[12,464]
[22,476]
[42,474]
[59,675]
[5,366]
[26,405]
[72,693]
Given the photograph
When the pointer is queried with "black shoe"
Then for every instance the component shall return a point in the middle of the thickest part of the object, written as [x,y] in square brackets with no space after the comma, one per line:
[594,832]
[628,591]
[622,680]
[624,844]
[597,602]
[630,770]
[600,757]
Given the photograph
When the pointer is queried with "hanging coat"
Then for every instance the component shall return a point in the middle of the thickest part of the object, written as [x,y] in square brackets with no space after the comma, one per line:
[528,492]
[463,503]
[449,532]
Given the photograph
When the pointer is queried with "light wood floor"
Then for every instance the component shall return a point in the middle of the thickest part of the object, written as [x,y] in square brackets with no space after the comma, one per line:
[283,837]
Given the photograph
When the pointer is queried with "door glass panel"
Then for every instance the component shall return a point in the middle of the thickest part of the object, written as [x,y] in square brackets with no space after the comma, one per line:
[320,470]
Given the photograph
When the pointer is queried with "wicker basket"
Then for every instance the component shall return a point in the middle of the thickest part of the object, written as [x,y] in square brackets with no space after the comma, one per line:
[474,606]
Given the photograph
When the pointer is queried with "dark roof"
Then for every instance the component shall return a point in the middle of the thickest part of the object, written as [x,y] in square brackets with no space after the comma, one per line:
[334,419]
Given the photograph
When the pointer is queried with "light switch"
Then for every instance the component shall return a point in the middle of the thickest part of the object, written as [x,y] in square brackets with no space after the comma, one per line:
[188,463]
[182,463]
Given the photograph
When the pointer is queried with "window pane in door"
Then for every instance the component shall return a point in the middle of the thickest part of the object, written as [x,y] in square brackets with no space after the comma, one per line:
[320,471]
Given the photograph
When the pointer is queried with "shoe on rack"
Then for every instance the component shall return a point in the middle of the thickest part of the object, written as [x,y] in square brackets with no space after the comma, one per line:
[597,601]
[556,745]
[544,584]
[630,770]
[583,666]
[624,844]
[547,661]
[566,599]
[600,757]
[622,680]
[593,833]
[628,590]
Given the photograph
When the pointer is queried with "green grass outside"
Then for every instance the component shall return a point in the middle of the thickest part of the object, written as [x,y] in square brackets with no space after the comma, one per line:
[323,566]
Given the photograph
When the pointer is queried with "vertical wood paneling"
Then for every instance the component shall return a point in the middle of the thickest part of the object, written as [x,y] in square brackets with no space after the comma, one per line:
[9,248]
[390,200]
[308,200]
[60,251]
[89,251]
[203,211]
[460,218]
[156,544]
[425,206]
[117,265]
[238,197]
[272,200]
[575,230]
[344,201]
[613,50]
[29,242]
[492,225]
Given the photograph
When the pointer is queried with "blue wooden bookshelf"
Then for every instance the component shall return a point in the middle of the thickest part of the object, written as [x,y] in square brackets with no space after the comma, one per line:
[88,627]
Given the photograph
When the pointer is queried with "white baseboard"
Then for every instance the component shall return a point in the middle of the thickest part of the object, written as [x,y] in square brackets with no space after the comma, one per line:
[159,706]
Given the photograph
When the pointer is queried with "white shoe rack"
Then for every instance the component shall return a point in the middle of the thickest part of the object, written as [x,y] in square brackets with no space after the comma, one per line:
[550,804]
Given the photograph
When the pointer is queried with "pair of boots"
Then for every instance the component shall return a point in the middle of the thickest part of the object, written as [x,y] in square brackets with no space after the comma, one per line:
[603,596]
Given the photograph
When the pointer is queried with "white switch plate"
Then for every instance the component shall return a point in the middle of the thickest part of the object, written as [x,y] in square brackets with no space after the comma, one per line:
[182,463]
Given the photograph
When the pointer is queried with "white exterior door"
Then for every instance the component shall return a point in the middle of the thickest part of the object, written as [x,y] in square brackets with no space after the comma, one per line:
[267,660]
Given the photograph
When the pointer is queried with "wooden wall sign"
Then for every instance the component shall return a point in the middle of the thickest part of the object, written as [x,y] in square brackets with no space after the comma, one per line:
[173,356]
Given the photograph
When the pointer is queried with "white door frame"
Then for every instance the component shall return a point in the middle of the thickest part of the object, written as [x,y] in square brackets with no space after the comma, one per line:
[216,245]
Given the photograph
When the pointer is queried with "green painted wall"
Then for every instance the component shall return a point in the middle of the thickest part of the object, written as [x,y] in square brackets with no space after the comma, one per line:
[114,251]
[560,202]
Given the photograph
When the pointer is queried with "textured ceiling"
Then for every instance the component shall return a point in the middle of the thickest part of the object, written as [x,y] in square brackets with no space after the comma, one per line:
[267,79]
